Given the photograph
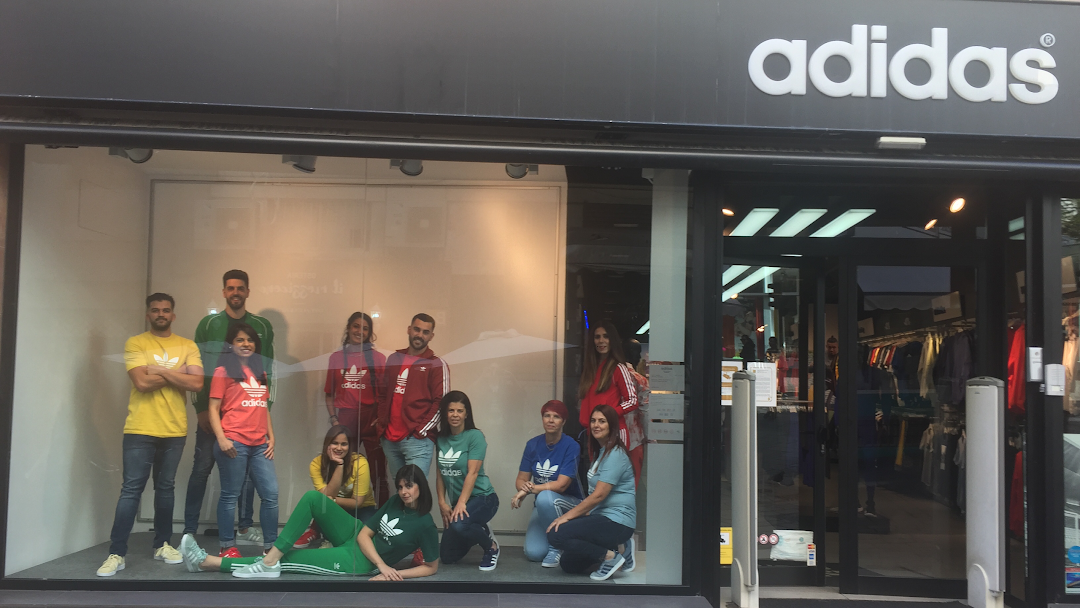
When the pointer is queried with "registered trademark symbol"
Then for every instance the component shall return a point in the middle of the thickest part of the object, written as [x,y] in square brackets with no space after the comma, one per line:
[1047,40]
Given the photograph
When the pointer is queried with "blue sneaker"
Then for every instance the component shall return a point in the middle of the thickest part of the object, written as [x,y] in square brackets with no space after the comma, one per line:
[628,555]
[608,567]
[552,558]
[490,559]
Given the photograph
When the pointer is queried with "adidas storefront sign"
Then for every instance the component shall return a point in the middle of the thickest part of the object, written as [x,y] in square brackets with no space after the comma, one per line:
[871,71]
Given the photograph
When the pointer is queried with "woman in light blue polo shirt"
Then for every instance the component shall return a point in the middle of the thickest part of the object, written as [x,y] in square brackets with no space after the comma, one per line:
[598,533]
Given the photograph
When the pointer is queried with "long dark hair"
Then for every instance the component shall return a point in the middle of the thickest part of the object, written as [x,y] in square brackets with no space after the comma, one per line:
[412,474]
[614,438]
[231,362]
[444,404]
[592,360]
[328,466]
[367,349]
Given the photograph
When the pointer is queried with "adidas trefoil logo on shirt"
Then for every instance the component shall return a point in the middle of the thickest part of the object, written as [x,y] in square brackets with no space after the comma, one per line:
[254,390]
[448,460]
[402,380]
[165,361]
[353,377]
[546,470]
[387,527]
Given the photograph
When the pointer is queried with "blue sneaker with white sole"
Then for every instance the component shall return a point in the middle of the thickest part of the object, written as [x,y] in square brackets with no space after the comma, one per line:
[628,555]
[608,567]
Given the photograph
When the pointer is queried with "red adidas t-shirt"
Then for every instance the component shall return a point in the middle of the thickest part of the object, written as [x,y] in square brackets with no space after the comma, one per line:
[244,415]
[396,430]
[350,384]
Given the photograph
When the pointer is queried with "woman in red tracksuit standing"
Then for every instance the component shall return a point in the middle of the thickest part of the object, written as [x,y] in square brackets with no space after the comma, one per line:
[354,381]
[605,379]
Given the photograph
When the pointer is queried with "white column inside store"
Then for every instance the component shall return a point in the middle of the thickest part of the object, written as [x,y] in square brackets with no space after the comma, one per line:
[667,312]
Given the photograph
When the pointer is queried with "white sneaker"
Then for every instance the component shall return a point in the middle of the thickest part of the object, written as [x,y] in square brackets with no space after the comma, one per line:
[258,569]
[193,554]
[113,564]
[167,554]
[253,536]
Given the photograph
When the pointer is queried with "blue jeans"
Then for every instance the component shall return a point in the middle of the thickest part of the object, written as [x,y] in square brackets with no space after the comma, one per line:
[586,540]
[252,462]
[464,534]
[144,454]
[201,467]
[409,450]
[549,505]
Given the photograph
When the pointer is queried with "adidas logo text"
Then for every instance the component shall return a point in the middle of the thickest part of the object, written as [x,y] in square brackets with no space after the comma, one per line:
[355,385]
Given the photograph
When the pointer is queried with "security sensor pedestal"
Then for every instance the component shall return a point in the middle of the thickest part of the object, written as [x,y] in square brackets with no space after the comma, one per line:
[744,503]
[985,487]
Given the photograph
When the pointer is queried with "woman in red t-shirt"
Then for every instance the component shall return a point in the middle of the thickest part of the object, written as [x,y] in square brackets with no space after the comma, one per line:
[353,385]
[605,379]
[245,436]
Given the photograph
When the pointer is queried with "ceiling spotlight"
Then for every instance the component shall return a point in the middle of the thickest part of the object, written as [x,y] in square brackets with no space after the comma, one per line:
[519,170]
[901,143]
[957,205]
[135,155]
[728,212]
[734,296]
[303,164]
[412,168]
[930,224]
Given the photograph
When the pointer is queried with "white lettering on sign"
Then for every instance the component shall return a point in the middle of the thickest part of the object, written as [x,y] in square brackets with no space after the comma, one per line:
[871,69]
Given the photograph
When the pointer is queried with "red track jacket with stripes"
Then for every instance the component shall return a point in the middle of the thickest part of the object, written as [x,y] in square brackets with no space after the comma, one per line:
[424,384]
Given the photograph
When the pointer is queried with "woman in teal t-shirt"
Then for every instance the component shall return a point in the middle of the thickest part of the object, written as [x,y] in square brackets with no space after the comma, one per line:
[598,533]
[466,499]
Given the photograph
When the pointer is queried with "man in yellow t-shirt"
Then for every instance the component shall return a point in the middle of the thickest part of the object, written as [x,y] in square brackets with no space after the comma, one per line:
[162,367]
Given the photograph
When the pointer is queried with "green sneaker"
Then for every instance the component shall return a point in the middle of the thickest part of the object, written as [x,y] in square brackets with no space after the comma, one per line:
[258,569]
[192,554]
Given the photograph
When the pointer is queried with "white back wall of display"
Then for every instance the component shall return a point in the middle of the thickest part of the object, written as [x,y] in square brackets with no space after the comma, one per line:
[482,256]
[82,281]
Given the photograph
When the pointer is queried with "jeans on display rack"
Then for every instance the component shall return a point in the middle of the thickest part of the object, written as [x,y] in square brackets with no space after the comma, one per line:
[250,461]
[144,455]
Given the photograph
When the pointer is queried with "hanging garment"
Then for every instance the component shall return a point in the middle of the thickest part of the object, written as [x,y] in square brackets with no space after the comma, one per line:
[927,447]
[931,345]
[1015,385]
[961,365]
[900,445]
[1069,361]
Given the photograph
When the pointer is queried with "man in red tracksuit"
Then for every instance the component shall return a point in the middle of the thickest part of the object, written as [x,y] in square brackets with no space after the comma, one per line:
[409,405]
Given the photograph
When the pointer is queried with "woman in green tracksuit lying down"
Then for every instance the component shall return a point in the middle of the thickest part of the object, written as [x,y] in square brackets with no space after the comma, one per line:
[396,530]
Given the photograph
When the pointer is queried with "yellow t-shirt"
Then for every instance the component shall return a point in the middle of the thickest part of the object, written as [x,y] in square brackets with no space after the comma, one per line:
[160,413]
[360,478]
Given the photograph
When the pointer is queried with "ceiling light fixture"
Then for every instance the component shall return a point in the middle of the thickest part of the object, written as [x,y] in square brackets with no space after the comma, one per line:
[412,168]
[728,212]
[135,155]
[755,277]
[518,170]
[843,222]
[798,222]
[930,224]
[761,329]
[901,143]
[957,205]
[754,221]
[1016,225]
[791,255]
[733,272]
[734,296]
[644,328]
[303,164]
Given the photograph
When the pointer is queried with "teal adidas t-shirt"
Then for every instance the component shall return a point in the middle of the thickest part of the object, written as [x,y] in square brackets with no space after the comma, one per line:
[399,531]
[454,455]
[615,469]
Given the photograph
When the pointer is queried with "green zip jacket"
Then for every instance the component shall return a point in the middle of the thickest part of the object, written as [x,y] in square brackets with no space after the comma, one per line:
[210,338]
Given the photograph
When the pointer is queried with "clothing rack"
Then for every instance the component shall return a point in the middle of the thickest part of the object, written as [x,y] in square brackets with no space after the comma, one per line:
[956,326]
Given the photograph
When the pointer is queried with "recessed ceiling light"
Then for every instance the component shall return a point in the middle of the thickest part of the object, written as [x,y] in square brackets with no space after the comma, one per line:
[733,272]
[728,212]
[754,277]
[901,143]
[791,255]
[644,328]
[734,296]
[843,222]
[754,221]
[930,224]
[1016,224]
[798,222]
[957,205]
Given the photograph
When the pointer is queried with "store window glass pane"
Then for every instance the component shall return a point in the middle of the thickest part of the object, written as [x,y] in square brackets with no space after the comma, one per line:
[1070,262]
[230,357]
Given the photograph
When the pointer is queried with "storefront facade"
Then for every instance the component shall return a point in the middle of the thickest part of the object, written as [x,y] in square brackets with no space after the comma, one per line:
[716,182]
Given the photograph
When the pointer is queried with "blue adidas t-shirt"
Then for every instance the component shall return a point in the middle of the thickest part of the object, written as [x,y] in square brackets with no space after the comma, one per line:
[620,506]
[546,464]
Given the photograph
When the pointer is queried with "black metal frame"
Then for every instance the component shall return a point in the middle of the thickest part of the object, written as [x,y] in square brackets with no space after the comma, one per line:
[701,457]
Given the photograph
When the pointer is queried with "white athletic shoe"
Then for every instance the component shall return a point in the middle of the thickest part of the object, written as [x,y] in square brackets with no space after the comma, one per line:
[192,553]
[258,569]
[253,536]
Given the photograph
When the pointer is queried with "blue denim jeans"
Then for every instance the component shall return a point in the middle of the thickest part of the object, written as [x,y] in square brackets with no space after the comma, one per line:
[549,505]
[464,534]
[201,467]
[144,455]
[586,540]
[409,450]
[252,462]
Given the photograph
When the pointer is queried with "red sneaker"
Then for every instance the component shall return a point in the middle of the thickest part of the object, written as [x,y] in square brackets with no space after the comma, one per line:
[305,539]
[417,558]
[231,552]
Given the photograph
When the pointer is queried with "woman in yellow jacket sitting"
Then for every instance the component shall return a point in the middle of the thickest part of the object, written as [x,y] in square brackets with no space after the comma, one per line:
[342,475]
